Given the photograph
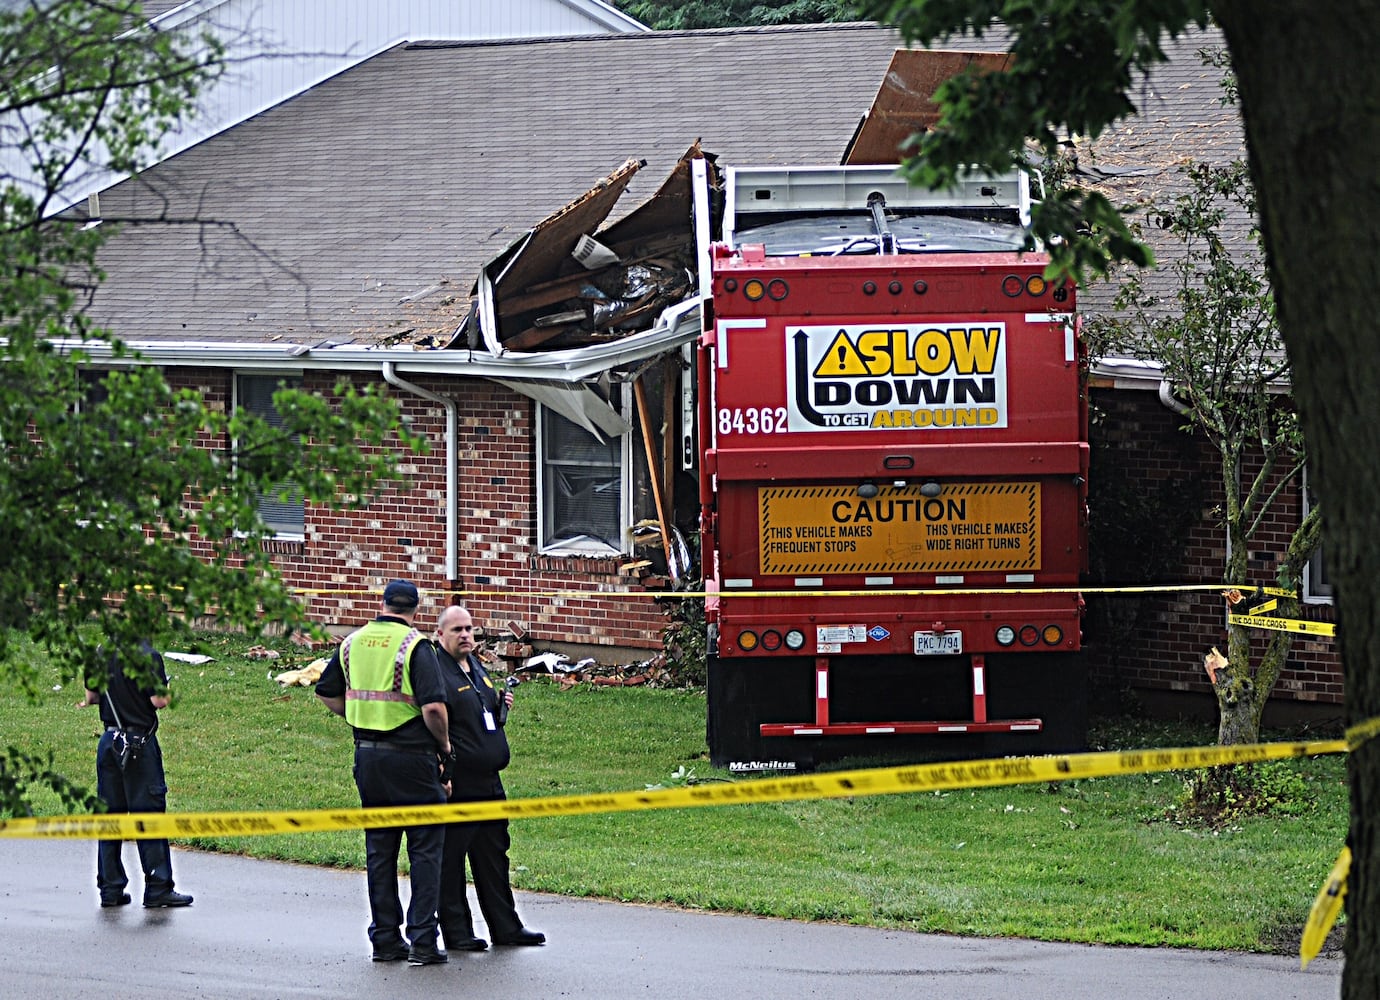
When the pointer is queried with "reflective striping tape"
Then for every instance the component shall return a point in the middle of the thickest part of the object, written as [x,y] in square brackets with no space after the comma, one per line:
[355,695]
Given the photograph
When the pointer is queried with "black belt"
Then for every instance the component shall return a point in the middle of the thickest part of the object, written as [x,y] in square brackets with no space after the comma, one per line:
[136,732]
[384,745]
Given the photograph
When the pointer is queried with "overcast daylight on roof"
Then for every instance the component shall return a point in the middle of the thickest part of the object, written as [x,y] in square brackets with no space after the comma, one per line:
[360,212]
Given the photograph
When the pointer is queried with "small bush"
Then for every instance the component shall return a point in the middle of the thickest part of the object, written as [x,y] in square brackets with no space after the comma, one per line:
[684,640]
[1217,796]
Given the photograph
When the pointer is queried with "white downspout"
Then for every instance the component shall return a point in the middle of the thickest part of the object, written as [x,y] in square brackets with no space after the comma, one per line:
[452,550]
[1167,398]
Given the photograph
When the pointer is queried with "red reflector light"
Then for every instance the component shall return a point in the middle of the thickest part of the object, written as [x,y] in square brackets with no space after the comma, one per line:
[1030,635]
[771,639]
[1012,285]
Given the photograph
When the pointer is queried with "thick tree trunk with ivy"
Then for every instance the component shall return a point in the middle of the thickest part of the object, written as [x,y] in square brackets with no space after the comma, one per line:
[1309,87]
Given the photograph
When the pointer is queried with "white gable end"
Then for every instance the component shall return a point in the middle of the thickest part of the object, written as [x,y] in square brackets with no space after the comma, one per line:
[277,49]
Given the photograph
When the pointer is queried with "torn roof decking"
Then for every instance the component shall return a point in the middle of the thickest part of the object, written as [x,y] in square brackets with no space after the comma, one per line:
[905,101]
[538,274]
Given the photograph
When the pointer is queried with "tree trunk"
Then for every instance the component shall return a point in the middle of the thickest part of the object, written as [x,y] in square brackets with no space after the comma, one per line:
[1310,89]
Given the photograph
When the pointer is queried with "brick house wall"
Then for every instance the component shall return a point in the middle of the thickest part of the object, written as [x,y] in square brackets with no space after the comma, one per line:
[1152,645]
[1149,645]
[346,556]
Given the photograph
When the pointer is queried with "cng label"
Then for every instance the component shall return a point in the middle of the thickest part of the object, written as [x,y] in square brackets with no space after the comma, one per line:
[970,527]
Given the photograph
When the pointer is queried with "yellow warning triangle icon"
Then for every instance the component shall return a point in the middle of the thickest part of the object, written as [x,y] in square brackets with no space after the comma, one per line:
[842,359]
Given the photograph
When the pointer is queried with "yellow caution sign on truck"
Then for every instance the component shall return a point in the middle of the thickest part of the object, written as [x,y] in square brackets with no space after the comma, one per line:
[972,527]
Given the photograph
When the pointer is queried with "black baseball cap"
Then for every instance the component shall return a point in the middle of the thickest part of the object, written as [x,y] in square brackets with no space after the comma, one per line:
[401,594]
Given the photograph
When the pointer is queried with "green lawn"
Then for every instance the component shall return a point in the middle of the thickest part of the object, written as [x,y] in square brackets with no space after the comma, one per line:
[1089,860]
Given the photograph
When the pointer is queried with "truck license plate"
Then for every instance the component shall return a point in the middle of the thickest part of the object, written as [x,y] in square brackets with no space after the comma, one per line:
[938,643]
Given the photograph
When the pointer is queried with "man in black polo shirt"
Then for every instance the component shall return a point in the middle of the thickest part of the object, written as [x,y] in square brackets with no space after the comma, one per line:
[129,773]
[476,709]
[385,682]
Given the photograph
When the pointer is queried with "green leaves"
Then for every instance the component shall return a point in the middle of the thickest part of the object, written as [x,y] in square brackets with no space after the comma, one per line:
[1071,73]
[127,505]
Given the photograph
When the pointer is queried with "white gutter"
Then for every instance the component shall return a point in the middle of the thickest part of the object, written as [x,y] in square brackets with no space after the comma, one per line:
[678,325]
[452,515]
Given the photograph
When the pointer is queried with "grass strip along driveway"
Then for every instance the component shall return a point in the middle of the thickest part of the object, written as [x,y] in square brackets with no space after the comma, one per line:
[1103,860]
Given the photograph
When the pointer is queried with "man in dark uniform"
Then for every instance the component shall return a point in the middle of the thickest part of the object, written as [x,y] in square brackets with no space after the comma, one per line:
[129,773]
[481,750]
[385,682]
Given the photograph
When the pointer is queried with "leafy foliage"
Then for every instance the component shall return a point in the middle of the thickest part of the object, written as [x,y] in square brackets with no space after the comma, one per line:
[19,771]
[1072,67]
[685,639]
[127,504]
[1216,797]
[1218,344]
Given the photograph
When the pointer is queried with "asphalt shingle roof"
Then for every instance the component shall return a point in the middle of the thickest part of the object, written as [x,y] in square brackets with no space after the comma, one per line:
[365,207]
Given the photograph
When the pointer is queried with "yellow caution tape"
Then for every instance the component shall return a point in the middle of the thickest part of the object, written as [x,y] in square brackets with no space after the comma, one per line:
[842,784]
[1325,909]
[1362,731]
[1283,624]
[805,592]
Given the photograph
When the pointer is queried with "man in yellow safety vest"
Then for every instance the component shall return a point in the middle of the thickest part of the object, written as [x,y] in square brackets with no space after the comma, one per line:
[385,682]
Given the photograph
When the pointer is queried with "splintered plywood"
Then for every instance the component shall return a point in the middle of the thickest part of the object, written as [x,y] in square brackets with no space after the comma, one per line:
[905,103]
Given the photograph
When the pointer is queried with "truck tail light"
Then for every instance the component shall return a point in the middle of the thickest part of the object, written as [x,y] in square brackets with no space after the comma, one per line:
[1013,285]
[1029,635]
[747,641]
[1052,635]
[754,289]
[795,639]
[771,640]
[1006,635]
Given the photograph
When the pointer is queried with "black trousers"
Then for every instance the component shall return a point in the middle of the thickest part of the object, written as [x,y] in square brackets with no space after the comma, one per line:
[486,846]
[387,777]
[137,787]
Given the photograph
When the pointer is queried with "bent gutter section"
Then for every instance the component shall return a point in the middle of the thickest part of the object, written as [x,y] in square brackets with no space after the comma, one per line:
[452,550]
[1167,398]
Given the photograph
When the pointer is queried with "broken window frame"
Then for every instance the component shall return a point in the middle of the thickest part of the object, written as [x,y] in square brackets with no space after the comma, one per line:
[554,476]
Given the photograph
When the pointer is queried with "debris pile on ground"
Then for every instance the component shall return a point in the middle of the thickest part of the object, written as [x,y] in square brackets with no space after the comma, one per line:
[303,676]
[558,668]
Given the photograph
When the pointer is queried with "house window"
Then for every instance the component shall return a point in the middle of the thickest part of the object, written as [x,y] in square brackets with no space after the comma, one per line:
[584,490]
[93,389]
[1317,585]
[255,394]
